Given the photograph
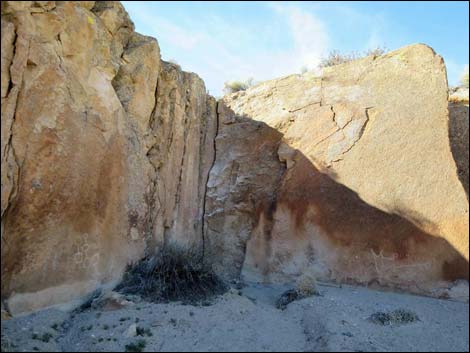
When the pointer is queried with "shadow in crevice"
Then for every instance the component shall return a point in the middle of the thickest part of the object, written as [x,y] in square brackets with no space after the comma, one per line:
[302,195]
[459,140]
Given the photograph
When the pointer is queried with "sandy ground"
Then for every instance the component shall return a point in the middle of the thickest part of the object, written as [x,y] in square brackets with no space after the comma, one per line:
[248,320]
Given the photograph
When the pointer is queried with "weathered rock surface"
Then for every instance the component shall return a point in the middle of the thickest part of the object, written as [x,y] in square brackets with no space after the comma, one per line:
[361,184]
[459,133]
[108,153]
[93,152]
[183,130]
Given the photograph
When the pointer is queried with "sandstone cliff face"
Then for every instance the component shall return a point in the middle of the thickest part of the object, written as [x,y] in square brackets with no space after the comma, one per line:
[459,133]
[105,148]
[183,128]
[108,153]
[363,185]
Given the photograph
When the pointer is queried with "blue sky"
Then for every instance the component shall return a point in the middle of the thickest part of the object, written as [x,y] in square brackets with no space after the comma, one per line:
[223,41]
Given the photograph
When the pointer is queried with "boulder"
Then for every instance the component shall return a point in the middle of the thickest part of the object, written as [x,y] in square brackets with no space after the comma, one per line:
[357,183]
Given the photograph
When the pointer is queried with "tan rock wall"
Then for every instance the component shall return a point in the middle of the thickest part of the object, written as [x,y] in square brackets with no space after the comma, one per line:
[108,153]
[86,102]
[370,192]
[459,133]
[184,125]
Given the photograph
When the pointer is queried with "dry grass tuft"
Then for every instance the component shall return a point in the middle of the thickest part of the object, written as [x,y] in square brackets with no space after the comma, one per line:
[306,285]
[396,317]
[174,274]
[337,58]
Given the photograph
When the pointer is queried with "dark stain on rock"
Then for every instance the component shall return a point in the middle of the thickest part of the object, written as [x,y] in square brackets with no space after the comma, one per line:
[315,198]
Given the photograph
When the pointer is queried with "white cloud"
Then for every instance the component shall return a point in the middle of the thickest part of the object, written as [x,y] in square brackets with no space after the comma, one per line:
[220,51]
[309,34]
[284,38]
[455,71]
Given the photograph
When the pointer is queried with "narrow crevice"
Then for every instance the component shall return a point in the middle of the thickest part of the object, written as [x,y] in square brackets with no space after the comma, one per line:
[10,82]
[340,128]
[62,65]
[334,116]
[7,96]
[186,130]
[306,106]
[9,147]
[358,138]
[152,188]
[14,190]
[9,88]
[206,186]
[149,217]
[154,110]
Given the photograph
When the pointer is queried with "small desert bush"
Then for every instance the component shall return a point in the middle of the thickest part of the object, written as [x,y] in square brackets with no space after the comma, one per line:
[44,337]
[396,317]
[174,274]
[306,285]
[236,86]
[378,51]
[141,331]
[336,58]
[137,346]
[286,298]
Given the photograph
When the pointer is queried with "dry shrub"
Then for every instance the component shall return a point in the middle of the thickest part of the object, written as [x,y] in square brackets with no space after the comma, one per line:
[236,86]
[396,317]
[337,58]
[306,285]
[174,274]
